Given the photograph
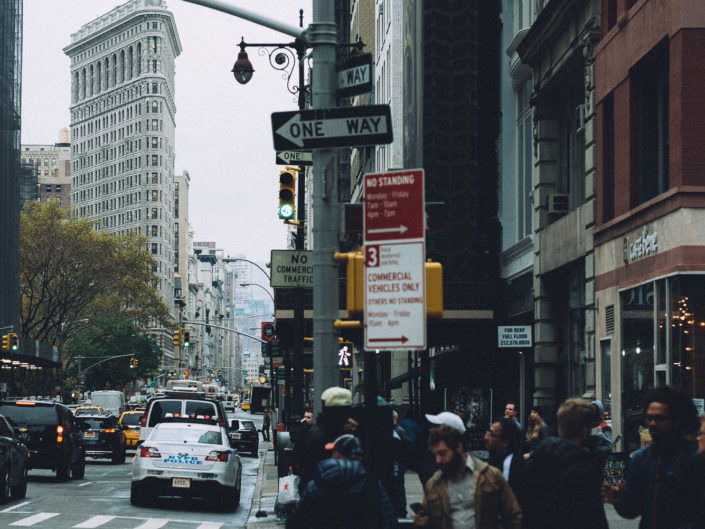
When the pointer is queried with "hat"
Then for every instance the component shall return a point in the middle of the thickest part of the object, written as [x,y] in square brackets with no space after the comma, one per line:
[447,418]
[348,445]
[336,396]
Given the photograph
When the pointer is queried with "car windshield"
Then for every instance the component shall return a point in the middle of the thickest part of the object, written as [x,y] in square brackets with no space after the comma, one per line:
[247,425]
[186,435]
[196,409]
[160,410]
[20,415]
[98,424]
[87,411]
[131,419]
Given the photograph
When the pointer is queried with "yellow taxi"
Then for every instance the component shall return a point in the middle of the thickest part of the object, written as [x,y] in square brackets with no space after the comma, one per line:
[130,423]
[245,405]
[88,410]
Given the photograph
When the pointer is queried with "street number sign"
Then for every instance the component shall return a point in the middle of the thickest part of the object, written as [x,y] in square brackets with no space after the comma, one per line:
[355,75]
[394,206]
[395,296]
[292,268]
[327,128]
[294,158]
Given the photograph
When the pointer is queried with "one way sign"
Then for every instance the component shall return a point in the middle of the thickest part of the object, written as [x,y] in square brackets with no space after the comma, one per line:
[332,127]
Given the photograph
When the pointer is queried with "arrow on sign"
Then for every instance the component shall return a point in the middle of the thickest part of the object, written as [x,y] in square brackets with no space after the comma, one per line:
[403,339]
[400,229]
[297,131]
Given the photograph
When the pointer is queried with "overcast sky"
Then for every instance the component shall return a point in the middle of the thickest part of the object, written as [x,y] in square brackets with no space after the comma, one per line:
[223,129]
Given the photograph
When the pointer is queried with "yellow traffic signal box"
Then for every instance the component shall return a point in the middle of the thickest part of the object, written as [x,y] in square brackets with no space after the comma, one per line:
[177,337]
[287,193]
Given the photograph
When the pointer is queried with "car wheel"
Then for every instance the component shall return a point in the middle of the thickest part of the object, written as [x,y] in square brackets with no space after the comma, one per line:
[5,484]
[78,471]
[231,499]
[63,473]
[138,495]
[19,490]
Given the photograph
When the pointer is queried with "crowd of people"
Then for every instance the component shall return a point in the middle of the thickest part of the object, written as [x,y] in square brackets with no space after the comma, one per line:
[531,479]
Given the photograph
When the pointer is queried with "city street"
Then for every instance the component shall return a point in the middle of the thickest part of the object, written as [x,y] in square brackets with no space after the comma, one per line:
[102,499]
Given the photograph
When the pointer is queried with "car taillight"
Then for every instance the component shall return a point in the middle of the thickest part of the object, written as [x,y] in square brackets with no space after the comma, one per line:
[149,451]
[59,430]
[215,455]
[110,430]
[143,420]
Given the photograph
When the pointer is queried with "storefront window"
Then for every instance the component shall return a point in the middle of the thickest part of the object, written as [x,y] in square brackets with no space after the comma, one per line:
[637,356]
[688,333]
[662,315]
[606,352]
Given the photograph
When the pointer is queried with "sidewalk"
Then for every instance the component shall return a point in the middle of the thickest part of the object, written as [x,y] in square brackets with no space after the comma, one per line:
[265,495]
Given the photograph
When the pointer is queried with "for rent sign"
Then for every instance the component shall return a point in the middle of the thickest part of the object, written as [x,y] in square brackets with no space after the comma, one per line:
[517,336]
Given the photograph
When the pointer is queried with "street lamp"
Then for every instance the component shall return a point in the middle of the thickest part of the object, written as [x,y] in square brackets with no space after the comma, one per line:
[258,285]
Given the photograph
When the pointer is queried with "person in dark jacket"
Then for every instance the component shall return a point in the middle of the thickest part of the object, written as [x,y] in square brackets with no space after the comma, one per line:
[664,480]
[340,496]
[502,442]
[536,432]
[561,486]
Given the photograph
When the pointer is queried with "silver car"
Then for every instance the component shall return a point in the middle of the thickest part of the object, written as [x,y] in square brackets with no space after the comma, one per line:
[189,460]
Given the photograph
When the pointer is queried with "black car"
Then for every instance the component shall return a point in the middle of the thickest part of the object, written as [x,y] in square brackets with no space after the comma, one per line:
[13,464]
[244,436]
[103,437]
[51,435]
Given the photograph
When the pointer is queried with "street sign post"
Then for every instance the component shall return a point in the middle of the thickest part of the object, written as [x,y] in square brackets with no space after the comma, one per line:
[332,127]
[294,158]
[355,75]
[395,277]
[292,268]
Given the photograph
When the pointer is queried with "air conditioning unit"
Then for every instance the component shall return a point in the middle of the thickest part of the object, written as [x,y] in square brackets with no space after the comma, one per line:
[558,203]
[579,118]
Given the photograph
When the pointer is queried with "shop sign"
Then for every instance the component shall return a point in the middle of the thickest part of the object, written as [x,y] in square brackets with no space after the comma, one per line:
[643,246]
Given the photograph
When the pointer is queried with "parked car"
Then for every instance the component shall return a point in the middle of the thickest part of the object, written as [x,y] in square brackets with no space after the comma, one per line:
[181,404]
[244,436]
[186,459]
[50,432]
[13,464]
[130,423]
[103,437]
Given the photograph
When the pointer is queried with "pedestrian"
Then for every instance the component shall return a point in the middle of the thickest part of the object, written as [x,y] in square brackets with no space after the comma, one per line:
[561,486]
[502,442]
[308,417]
[399,453]
[266,425]
[664,483]
[425,465]
[601,434]
[339,495]
[411,427]
[536,432]
[511,411]
[333,420]
[465,491]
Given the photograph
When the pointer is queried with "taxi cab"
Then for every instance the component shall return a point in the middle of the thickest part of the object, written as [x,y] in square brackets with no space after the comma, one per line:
[245,405]
[88,410]
[130,423]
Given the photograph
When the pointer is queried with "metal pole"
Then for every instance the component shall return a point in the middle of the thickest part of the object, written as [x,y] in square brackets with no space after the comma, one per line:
[324,38]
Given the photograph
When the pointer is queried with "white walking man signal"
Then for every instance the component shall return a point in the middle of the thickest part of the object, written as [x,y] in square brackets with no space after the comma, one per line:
[344,354]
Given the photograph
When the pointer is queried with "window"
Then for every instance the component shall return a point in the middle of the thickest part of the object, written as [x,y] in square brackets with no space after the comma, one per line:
[48,190]
[155,214]
[58,188]
[608,158]
[154,66]
[524,160]
[155,142]
[155,159]
[155,106]
[155,196]
[154,248]
[155,124]
[155,88]
[154,231]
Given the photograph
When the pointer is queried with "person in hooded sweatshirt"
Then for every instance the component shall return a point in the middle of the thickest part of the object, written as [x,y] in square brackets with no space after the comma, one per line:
[562,479]
[339,494]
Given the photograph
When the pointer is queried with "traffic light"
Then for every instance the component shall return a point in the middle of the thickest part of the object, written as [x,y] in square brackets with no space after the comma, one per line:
[132,363]
[185,337]
[177,337]
[135,362]
[5,342]
[14,342]
[287,193]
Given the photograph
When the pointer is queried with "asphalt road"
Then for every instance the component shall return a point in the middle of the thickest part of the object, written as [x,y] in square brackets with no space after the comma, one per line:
[102,500]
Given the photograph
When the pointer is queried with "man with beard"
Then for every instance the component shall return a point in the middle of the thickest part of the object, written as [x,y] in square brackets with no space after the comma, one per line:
[465,492]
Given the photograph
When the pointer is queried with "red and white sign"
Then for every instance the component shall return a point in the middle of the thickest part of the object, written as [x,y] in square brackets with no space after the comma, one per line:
[395,274]
[395,300]
[394,206]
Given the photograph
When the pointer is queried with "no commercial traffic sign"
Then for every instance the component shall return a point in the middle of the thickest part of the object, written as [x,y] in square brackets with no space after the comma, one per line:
[332,127]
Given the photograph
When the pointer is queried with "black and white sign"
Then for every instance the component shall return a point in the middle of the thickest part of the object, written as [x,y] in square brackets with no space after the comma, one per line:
[292,268]
[332,127]
[516,336]
[294,158]
[355,76]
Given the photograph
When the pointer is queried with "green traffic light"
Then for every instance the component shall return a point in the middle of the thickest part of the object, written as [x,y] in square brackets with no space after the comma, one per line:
[286,211]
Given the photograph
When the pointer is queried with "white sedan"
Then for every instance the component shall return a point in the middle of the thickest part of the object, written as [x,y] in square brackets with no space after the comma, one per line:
[189,460]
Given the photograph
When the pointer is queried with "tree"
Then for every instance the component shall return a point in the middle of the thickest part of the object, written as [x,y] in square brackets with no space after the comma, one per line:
[69,271]
[112,336]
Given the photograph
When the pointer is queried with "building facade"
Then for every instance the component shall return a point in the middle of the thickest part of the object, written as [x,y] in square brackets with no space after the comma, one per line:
[51,165]
[649,250]
[122,126]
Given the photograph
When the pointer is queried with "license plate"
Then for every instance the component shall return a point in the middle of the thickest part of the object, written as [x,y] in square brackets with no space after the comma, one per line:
[181,483]
[89,434]
[236,436]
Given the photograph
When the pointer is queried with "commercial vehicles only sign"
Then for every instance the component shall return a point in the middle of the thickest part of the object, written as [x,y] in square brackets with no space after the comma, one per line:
[395,274]
[292,268]
[514,336]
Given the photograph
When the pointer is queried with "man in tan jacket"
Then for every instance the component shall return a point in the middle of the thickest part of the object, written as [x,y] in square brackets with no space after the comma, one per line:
[465,492]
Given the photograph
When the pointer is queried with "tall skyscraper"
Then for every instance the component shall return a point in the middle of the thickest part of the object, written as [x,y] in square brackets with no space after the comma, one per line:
[123,124]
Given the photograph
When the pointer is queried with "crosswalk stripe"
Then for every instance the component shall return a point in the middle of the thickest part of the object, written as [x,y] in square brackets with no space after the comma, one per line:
[95,521]
[15,506]
[86,483]
[154,523]
[210,525]
[31,520]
